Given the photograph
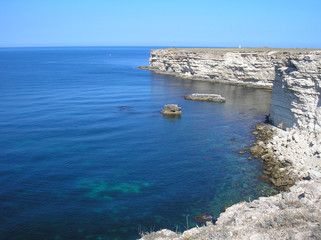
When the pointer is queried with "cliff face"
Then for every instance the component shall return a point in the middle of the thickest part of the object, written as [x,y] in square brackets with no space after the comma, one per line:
[296,94]
[249,68]
[294,74]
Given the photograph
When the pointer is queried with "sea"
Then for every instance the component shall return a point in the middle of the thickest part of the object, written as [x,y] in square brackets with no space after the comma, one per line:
[86,154]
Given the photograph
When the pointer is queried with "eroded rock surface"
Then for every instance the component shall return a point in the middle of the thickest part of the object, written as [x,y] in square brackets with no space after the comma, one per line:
[171,110]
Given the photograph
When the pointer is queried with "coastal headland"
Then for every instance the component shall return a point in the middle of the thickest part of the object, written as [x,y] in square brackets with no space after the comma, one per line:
[290,146]
[250,67]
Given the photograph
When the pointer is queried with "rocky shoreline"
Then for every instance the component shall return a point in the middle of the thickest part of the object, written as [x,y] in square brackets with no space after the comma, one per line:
[275,171]
[288,156]
[295,213]
[290,147]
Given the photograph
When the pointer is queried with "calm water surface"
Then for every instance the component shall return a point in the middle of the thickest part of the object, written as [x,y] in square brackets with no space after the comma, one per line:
[86,154]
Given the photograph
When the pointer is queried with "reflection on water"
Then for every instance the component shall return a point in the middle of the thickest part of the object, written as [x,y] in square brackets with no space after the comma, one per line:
[237,97]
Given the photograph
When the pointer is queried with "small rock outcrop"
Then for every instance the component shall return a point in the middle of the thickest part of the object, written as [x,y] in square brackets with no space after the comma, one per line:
[205,97]
[171,110]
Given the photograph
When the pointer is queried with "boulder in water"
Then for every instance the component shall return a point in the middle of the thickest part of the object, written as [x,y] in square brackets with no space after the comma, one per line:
[172,110]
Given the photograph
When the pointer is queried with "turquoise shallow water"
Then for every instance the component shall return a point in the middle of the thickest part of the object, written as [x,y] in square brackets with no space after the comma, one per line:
[86,154]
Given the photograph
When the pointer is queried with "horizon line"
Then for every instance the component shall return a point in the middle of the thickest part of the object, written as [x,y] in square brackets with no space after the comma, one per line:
[162,46]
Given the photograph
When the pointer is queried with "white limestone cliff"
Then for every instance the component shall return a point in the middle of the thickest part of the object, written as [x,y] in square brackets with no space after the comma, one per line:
[296,94]
[249,68]
[252,67]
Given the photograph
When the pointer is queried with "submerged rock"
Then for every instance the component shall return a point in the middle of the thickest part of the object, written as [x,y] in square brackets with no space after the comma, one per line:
[125,107]
[205,97]
[171,110]
[205,217]
[144,67]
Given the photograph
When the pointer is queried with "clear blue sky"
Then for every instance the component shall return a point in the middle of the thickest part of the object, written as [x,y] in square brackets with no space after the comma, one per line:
[225,23]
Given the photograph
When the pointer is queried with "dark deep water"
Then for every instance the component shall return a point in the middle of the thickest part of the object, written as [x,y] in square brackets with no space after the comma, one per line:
[74,164]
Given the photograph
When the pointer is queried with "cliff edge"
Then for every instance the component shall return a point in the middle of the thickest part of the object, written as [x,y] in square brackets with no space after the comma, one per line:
[251,67]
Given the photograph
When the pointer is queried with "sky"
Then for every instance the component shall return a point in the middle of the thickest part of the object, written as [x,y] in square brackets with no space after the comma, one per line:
[173,23]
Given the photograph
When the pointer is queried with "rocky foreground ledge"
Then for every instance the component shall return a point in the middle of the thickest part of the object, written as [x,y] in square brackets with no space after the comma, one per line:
[294,161]
[290,147]
[288,215]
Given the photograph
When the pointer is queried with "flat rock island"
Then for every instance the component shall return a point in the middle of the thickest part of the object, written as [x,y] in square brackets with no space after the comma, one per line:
[205,97]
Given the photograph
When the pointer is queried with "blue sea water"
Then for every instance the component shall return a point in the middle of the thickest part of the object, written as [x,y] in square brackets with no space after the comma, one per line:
[86,154]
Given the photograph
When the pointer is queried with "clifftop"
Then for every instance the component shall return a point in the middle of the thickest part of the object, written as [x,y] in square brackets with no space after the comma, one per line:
[241,50]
